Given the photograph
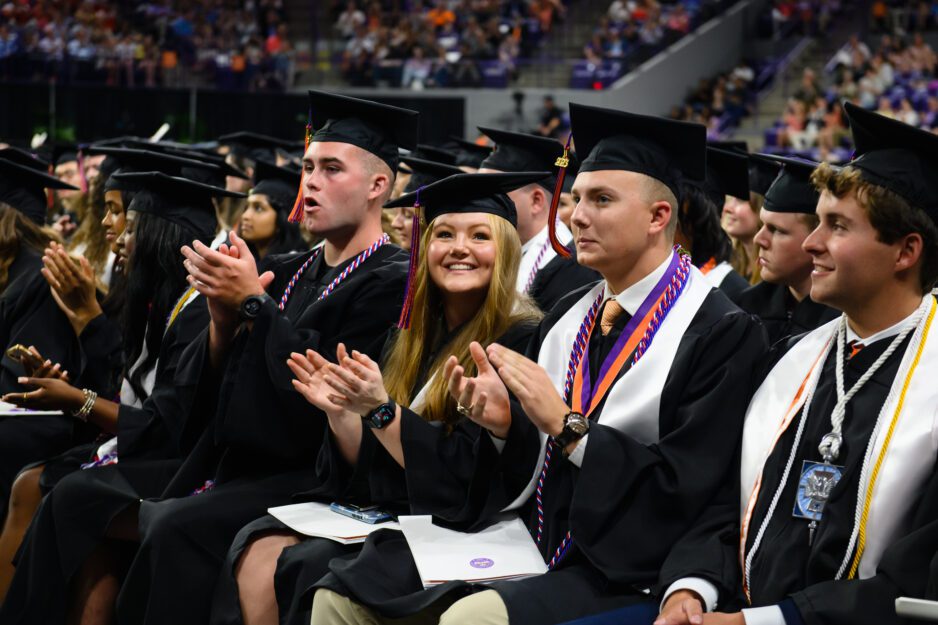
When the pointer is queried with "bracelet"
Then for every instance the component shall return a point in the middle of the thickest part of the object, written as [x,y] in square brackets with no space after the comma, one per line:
[85,410]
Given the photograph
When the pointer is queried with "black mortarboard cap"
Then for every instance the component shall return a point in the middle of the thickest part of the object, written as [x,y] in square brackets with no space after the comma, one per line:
[665,149]
[469,193]
[279,184]
[897,156]
[517,151]
[470,153]
[18,155]
[132,160]
[64,153]
[252,145]
[376,128]
[727,174]
[730,145]
[22,184]
[762,173]
[792,190]
[216,177]
[437,155]
[178,200]
[425,173]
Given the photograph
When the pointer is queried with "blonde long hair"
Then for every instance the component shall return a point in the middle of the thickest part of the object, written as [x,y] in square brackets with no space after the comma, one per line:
[503,307]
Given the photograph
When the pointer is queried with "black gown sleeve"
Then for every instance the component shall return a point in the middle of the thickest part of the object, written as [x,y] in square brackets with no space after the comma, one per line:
[30,316]
[102,357]
[558,278]
[159,428]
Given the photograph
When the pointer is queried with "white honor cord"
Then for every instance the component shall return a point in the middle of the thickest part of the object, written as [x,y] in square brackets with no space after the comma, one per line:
[830,444]
[791,461]
[841,334]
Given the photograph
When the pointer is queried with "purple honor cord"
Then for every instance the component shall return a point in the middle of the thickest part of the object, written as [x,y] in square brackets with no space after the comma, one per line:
[589,389]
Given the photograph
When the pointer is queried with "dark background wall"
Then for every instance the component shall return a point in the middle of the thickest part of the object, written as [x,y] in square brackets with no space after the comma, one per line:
[85,113]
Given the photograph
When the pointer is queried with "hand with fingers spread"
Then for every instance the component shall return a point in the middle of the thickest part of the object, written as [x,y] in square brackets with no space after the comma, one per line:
[310,371]
[683,607]
[48,394]
[73,285]
[226,276]
[484,397]
[529,382]
[356,382]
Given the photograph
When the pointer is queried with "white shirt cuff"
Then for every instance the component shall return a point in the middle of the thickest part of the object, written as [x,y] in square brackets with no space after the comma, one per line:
[769,615]
[707,591]
[576,456]
[498,442]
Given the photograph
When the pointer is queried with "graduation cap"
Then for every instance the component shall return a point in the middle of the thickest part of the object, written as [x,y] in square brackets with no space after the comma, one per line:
[792,190]
[459,193]
[762,173]
[18,155]
[217,178]
[896,156]
[132,160]
[117,142]
[426,172]
[251,145]
[665,149]
[178,200]
[64,153]
[438,155]
[732,146]
[377,128]
[279,184]
[516,151]
[470,153]
[727,174]
[22,184]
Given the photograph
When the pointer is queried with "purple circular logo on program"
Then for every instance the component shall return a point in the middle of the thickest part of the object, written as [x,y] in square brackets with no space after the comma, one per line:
[481,563]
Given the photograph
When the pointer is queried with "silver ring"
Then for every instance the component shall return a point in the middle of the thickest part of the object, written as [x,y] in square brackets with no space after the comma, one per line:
[463,410]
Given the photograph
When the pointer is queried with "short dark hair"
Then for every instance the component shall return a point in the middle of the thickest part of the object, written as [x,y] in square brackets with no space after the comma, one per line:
[891,215]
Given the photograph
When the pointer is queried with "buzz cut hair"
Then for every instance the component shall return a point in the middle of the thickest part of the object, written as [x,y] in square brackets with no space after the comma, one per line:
[656,191]
[374,165]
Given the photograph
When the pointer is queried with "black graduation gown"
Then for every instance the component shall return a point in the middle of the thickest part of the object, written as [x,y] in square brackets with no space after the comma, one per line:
[376,479]
[264,437]
[30,316]
[558,278]
[783,316]
[667,484]
[73,518]
[786,570]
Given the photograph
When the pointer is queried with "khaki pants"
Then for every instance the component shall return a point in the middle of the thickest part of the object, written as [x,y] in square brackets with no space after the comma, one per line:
[483,608]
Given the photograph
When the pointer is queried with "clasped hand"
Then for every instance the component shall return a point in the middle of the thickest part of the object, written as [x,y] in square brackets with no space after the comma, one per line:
[226,276]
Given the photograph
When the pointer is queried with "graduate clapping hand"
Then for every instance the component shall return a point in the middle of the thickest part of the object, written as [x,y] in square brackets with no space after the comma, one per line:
[529,382]
[310,371]
[357,384]
[484,396]
[226,276]
[73,286]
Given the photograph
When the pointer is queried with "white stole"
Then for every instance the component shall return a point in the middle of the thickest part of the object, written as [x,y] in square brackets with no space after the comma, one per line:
[633,401]
[910,458]
[533,247]
[718,274]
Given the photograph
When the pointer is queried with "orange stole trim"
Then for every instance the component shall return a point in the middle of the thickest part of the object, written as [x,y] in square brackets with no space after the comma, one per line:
[617,365]
[750,507]
[708,266]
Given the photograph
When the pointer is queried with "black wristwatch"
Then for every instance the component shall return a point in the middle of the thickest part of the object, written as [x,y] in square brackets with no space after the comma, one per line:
[380,417]
[251,306]
[575,427]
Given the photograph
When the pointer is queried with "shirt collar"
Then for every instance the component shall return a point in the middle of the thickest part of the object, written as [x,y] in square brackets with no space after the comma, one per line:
[563,235]
[631,298]
[888,333]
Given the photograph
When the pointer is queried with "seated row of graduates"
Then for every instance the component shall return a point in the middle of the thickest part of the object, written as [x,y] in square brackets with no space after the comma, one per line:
[613,425]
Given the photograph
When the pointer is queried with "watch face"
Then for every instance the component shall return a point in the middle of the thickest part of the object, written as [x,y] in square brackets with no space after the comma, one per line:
[382,416]
[252,307]
[578,425]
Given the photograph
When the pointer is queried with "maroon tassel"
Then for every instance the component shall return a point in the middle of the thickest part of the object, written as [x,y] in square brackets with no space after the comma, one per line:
[297,213]
[81,171]
[562,163]
[404,322]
